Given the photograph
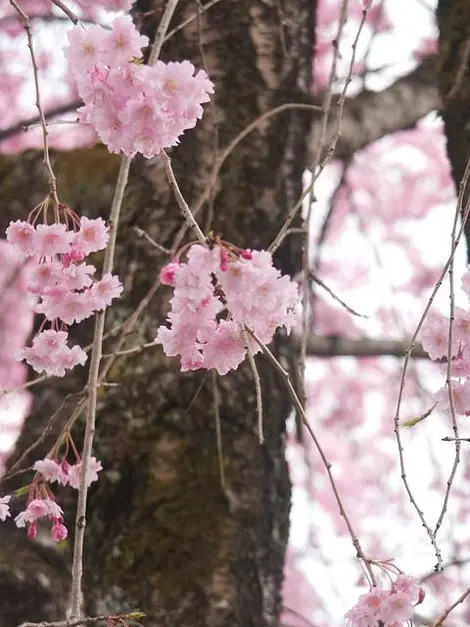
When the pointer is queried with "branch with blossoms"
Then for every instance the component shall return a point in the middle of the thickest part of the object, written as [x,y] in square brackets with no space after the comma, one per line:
[55,241]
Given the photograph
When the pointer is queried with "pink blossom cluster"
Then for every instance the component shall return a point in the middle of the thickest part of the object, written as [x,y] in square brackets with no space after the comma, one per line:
[435,340]
[5,507]
[217,293]
[387,608]
[42,508]
[133,107]
[64,284]
[67,474]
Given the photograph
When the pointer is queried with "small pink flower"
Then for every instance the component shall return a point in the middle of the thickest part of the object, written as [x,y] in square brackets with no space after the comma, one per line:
[23,236]
[53,239]
[38,508]
[92,236]
[75,255]
[59,532]
[104,291]
[32,531]
[4,507]
[406,585]
[51,471]
[74,473]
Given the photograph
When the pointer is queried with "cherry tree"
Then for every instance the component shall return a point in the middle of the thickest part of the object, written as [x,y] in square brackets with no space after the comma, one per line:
[242,193]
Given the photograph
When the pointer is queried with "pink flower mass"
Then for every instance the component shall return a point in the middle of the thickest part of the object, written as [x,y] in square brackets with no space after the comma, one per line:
[393,607]
[252,292]
[66,288]
[133,107]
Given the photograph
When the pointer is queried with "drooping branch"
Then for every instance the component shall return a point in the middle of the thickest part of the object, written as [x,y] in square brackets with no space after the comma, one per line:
[370,115]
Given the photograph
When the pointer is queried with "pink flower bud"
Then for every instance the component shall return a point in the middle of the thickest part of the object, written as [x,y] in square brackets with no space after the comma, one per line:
[32,531]
[75,255]
[223,260]
[59,532]
[167,273]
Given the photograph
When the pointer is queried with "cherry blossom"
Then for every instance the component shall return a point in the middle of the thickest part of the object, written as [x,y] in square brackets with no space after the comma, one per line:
[49,353]
[390,607]
[65,285]
[4,507]
[248,288]
[73,475]
[52,471]
[133,107]
[38,508]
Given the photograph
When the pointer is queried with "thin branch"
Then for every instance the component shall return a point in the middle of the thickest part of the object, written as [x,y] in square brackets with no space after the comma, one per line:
[396,418]
[145,235]
[318,166]
[450,391]
[218,429]
[444,615]
[27,26]
[70,14]
[318,281]
[201,9]
[24,125]
[326,463]
[96,354]
[204,197]
[182,204]
[259,396]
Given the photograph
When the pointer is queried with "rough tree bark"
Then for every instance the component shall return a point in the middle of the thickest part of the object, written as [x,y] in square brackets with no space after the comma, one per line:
[162,535]
[453,17]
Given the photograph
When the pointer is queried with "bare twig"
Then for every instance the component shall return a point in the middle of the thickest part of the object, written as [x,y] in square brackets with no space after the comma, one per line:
[318,281]
[318,166]
[70,14]
[27,26]
[218,429]
[444,615]
[201,9]
[326,463]
[68,623]
[396,419]
[450,392]
[145,235]
[182,204]
[259,397]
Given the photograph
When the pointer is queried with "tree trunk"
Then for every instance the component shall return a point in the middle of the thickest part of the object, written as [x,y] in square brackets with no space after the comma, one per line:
[453,18]
[162,535]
